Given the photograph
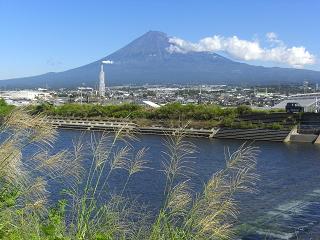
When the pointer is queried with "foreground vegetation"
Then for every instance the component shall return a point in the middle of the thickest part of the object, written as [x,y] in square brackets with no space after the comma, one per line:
[90,208]
[174,114]
[5,108]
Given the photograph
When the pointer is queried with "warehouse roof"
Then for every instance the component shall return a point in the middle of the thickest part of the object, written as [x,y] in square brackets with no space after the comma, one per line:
[303,102]
[151,104]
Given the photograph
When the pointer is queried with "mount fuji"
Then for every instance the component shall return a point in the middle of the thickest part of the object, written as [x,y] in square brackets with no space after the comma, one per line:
[147,60]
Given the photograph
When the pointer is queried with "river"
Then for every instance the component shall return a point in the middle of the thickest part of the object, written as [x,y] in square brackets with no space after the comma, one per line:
[287,203]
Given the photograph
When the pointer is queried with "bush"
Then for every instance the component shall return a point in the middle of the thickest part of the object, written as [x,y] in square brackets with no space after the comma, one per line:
[5,108]
[275,126]
[243,110]
[190,112]
[206,116]
[41,108]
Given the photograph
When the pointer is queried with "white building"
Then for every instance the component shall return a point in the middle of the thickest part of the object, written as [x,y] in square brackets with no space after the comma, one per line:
[24,97]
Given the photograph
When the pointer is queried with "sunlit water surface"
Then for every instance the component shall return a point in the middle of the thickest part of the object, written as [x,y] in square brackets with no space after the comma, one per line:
[288,201]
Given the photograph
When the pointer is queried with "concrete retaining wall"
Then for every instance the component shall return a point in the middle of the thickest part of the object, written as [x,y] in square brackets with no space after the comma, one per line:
[223,133]
[253,134]
[303,138]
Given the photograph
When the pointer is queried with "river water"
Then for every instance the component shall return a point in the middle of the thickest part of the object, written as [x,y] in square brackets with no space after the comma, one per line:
[287,204]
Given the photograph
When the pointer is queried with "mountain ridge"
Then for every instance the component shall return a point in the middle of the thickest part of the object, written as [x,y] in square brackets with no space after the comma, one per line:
[147,60]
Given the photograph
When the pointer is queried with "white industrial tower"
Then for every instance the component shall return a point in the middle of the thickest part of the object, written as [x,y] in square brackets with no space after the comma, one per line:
[102,85]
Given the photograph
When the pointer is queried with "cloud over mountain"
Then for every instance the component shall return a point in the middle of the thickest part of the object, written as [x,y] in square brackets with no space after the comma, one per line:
[146,60]
[246,50]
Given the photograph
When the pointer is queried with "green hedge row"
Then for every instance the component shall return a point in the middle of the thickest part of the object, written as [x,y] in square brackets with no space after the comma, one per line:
[173,111]
[169,111]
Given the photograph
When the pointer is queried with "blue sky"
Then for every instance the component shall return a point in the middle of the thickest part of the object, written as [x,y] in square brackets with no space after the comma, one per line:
[39,36]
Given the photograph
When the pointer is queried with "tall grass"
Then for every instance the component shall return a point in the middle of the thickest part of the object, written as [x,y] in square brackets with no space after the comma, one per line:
[212,213]
[23,178]
[90,208]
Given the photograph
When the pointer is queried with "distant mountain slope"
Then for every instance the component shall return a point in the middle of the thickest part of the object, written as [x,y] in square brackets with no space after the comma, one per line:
[146,60]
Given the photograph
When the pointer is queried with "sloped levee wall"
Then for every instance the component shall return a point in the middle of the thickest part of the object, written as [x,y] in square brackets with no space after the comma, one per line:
[286,119]
[303,138]
[253,134]
[125,126]
[309,123]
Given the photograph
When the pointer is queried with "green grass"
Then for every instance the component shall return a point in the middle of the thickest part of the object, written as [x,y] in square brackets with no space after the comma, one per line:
[175,111]
[5,109]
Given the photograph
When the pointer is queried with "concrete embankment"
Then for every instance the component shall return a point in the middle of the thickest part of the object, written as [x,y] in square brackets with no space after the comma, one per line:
[99,125]
[303,138]
[253,134]
[223,133]
[307,128]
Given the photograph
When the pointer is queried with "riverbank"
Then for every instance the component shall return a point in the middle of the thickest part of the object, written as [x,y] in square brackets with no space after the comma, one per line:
[174,115]
[207,121]
[114,125]
[255,134]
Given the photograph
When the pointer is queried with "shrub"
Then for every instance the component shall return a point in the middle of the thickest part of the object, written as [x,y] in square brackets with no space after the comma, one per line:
[243,110]
[275,126]
[5,108]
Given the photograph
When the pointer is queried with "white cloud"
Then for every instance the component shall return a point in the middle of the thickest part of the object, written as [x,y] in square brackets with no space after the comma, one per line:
[107,62]
[277,51]
[272,37]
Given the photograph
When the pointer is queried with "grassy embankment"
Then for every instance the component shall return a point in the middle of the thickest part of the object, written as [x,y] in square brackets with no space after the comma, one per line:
[170,115]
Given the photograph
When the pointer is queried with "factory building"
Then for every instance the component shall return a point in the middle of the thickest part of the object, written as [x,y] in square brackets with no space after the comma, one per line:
[24,97]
